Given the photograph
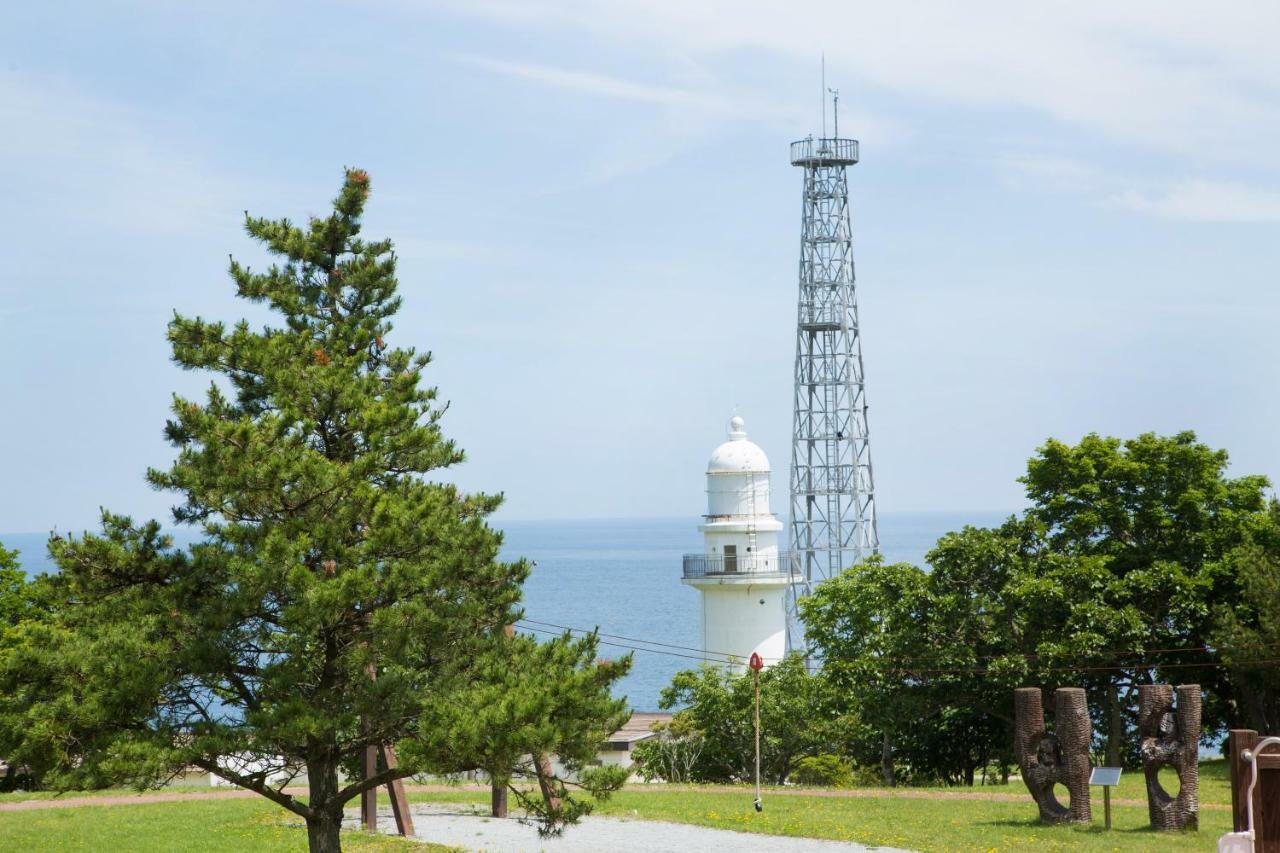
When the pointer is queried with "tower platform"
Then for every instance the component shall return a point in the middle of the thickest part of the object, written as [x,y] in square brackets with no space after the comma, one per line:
[824,152]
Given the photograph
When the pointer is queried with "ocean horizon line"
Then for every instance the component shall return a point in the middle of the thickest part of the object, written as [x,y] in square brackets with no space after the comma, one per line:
[566,519]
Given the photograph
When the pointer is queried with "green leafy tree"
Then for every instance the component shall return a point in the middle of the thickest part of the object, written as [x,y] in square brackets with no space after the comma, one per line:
[1112,578]
[865,626]
[798,716]
[1164,515]
[341,595]
[1248,632]
[1009,610]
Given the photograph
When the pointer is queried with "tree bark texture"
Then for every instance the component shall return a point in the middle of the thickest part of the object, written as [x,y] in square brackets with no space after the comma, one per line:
[545,776]
[1171,737]
[325,824]
[1059,758]
[497,798]
[886,760]
[1115,725]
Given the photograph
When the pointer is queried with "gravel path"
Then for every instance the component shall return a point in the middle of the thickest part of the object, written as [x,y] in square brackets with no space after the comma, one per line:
[455,826]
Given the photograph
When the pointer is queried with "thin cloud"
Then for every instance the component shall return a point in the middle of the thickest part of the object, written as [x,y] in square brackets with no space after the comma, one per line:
[687,102]
[696,109]
[85,156]
[1049,172]
[1204,201]
[1184,78]
[685,117]
[592,83]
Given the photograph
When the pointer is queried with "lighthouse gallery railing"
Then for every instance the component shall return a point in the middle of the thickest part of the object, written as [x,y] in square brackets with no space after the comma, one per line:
[714,565]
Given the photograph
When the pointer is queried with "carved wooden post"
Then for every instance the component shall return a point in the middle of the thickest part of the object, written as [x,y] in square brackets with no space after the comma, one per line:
[1072,724]
[1171,737]
[395,788]
[1266,795]
[1241,740]
[1047,759]
[399,802]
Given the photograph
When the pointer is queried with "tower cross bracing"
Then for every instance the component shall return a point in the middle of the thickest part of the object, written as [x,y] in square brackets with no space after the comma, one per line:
[833,516]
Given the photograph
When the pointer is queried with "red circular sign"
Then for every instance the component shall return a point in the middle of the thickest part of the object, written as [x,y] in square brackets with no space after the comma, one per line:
[756,662]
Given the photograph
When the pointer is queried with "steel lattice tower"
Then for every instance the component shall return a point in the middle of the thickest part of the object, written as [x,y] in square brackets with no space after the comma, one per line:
[833,516]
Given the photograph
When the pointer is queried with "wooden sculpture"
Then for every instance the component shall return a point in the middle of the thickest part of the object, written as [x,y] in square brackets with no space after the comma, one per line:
[1059,758]
[1171,738]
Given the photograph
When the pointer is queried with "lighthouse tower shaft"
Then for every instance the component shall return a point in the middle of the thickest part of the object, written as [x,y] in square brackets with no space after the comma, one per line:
[740,574]
[833,516]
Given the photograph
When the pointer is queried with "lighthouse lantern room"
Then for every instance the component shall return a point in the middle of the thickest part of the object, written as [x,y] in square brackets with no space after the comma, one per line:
[741,574]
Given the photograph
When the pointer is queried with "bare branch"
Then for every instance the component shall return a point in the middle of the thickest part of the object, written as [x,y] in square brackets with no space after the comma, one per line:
[258,786]
[355,789]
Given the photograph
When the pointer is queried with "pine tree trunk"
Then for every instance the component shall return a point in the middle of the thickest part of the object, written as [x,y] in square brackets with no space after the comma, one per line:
[323,834]
[497,798]
[324,828]
[886,760]
[545,775]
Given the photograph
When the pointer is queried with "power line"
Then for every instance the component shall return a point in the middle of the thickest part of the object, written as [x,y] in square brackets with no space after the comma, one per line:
[881,664]
[702,658]
[632,639]
[1106,653]
[988,670]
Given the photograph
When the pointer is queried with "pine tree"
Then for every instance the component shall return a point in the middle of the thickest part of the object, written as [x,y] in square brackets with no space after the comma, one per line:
[339,597]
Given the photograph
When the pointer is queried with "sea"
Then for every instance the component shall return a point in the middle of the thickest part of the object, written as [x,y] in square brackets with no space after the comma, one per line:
[622,577]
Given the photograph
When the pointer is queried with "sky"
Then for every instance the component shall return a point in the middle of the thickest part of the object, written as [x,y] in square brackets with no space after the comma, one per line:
[1065,222]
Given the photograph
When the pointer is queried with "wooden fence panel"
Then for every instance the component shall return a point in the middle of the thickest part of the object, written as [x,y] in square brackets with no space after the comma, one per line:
[1266,796]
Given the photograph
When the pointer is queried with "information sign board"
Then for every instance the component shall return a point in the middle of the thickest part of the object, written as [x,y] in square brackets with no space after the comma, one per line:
[1105,776]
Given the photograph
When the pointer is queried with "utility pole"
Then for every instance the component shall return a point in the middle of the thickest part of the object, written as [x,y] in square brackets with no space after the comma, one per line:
[756,665]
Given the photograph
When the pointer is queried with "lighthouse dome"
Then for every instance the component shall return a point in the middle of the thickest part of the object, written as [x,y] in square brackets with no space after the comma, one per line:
[738,455]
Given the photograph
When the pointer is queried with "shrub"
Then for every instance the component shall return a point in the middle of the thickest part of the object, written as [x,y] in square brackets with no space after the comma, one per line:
[826,770]
[670,754]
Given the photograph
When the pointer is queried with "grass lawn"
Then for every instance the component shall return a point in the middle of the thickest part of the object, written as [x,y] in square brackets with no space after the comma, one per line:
[20,796]
[917,823]
[910,822]
[1215,783]
[202,826]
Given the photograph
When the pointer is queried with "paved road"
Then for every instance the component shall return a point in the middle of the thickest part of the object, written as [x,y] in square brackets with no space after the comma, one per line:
[453,825]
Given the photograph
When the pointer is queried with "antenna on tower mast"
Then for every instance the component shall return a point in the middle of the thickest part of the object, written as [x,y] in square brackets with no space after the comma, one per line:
[824,94]
[835,111]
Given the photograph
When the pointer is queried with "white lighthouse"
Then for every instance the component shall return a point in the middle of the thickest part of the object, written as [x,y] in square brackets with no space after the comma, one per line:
[741,575]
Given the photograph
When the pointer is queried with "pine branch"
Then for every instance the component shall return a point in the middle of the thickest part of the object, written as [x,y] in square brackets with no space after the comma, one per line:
[385,777]
[258,786]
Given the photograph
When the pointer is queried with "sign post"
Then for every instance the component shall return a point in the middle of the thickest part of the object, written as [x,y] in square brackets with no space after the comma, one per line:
[756,665]
[1106,777]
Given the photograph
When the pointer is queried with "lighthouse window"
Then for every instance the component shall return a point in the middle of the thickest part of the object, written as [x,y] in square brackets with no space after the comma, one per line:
[730,558]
